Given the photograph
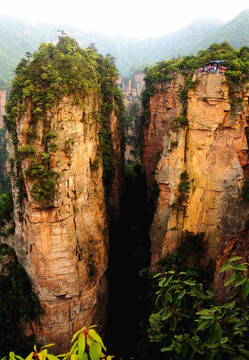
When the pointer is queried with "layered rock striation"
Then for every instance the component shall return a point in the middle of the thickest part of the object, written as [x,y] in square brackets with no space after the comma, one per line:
[202,163]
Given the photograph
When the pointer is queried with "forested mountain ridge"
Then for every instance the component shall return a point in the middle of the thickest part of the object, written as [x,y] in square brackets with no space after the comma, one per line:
[235,32]
[18,37]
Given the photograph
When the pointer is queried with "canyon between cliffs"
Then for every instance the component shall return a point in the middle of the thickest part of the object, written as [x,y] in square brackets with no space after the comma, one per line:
[66,228]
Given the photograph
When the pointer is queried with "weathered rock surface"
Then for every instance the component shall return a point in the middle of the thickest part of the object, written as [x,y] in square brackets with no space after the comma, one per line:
[164,107]
[64,248]
[212,150]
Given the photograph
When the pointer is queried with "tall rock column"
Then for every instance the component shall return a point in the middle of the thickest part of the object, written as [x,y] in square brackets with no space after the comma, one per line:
[201,170]
[56,164]
[165,106]
[64,247]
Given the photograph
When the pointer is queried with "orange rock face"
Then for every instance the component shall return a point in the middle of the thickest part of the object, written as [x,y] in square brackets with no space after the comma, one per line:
[212,150]
[64,248]
[164,108]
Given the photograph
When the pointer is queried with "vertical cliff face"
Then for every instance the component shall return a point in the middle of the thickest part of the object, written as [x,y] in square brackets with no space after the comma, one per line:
[60,211]
[165,106]
[131,90]
[64,248]
[202,164]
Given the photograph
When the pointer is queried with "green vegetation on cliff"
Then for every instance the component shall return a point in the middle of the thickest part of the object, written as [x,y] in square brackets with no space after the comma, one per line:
[237,64]
[41,81]
[189,323]
[86,345]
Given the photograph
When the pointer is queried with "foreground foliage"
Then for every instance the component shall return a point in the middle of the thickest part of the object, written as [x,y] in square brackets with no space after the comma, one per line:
[86,345]
[190,324]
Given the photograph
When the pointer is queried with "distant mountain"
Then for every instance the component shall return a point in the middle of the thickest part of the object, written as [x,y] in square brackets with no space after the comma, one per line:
[18,37]
[235,32]
[182,41]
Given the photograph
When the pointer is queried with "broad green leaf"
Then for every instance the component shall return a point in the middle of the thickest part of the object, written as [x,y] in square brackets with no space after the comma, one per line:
[165,314]
[169,297]
[224,340]
[174,323]
[169,348]
[213,337]
[206,312]
[203,325]
[208,317]
[161,281]
[97,338]
[230,279]
[164,301]
[189,282]
[41,356]
[73,347]
[168,281]
[85,356]
[218,330]
[77,333]
[157,275]
[244,351]
[240,281]
[12,355]
[234,258]
[51,357]
[225,267]
[81,345]
[182,293]
[30,356]
[74,357]
[241,267]
[245,289]
[46,346]
[19,357]
[95,351]
[230,306]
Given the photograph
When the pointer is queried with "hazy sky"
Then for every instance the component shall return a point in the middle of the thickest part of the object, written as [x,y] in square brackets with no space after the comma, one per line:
[136,18]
